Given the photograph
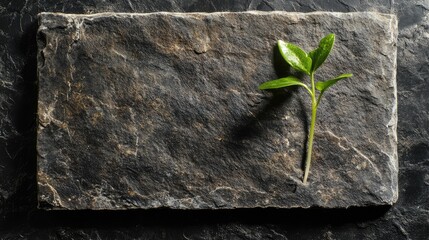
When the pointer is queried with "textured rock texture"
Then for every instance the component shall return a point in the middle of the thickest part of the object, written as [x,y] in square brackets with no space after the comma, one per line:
[407,219]
[162,110]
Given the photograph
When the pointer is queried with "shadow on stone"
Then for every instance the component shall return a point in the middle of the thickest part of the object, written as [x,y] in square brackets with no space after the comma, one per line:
[269,105]
[22,148]
[250,126]
[281,67]
[171,218]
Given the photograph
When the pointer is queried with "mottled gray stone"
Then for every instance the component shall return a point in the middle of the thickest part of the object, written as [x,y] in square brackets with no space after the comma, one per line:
[162,110]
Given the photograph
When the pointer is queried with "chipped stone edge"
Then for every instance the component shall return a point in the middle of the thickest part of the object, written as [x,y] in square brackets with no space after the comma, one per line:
[393,123]
[103,14]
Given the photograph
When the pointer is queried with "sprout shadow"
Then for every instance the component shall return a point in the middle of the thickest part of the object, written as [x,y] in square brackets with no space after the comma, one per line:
[250,126]
[271,104]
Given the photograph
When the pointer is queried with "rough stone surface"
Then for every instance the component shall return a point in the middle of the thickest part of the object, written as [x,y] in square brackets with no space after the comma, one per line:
[407,219]
[162,110]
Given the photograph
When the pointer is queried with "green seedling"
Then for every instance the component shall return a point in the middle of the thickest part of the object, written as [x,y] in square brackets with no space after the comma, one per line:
[307,63]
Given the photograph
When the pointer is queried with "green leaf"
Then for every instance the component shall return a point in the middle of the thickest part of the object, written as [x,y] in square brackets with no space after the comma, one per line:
[319,55]
[281,83]
[295,56]
[322,86]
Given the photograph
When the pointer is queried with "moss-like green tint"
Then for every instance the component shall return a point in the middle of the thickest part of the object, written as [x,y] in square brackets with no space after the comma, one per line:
[307,63]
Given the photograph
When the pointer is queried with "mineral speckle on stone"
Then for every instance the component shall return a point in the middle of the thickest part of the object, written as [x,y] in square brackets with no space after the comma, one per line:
[162,110]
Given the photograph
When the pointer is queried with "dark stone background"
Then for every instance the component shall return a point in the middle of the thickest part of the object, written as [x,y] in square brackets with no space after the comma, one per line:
[19,219]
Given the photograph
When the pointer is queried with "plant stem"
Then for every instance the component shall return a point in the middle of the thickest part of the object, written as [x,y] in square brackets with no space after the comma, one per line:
[314,104]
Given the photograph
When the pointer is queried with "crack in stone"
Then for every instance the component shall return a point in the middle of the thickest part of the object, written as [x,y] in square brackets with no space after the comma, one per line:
[399,226]
[350,146]
[56,197]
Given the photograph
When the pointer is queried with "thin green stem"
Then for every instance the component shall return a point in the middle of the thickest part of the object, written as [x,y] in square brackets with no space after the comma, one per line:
[314,104]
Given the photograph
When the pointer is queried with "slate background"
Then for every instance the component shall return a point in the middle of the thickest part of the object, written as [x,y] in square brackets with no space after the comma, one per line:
[19,219]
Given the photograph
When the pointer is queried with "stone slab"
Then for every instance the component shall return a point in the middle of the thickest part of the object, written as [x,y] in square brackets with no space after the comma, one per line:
[162,110]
